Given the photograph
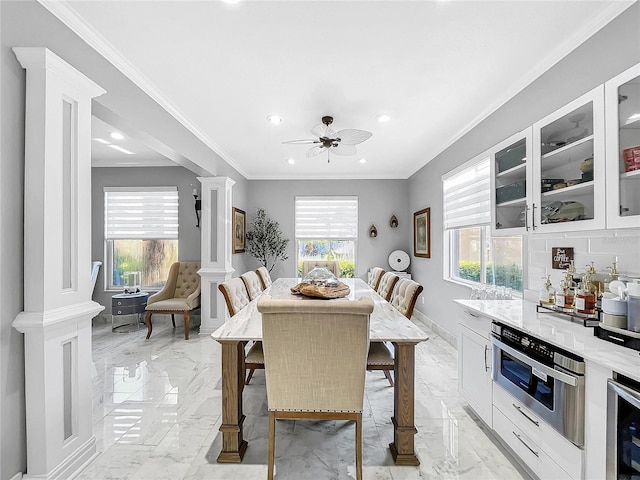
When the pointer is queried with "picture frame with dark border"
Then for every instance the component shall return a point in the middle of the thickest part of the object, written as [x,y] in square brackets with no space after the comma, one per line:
[422,233]
[239,230]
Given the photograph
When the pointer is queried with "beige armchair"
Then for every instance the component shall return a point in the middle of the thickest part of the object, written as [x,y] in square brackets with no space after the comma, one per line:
[265,278]
[403,298]
[315,358]
[375,275]
[236,297]
[181,294]
[332,265]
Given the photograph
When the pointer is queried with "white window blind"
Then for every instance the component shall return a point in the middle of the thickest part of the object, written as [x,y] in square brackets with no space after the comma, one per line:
[147,213]
[326,217]
[467,196]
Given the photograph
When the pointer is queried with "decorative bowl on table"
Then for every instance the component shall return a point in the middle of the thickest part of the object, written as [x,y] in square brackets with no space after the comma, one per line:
[321,283]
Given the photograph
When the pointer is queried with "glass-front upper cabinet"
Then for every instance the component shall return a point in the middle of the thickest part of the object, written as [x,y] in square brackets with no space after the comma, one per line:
[511,185]
[569,167]
[622,103]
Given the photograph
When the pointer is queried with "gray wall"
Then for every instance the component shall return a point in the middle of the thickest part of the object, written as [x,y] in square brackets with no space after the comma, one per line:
[377,201]
[607,53]
[12,403]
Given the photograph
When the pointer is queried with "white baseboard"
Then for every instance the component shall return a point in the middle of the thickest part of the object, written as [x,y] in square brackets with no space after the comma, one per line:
[437,328]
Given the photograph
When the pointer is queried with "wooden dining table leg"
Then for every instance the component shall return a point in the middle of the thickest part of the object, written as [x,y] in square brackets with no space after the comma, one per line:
[234,445]
[404,429]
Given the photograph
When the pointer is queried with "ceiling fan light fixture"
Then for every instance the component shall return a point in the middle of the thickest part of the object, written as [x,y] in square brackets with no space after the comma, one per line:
[274,119]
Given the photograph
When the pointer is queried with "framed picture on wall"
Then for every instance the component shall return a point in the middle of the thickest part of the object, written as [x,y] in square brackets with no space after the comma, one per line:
[422,233]
[239,229]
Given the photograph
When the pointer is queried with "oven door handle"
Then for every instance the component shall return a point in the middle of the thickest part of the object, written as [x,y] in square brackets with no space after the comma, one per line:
[625,392]
[563,377]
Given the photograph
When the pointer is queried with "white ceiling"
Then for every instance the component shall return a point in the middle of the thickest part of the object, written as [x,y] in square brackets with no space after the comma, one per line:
[437,67]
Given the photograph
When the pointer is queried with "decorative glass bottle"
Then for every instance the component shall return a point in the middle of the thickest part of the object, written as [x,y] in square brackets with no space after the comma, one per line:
[586,296]
[547,293]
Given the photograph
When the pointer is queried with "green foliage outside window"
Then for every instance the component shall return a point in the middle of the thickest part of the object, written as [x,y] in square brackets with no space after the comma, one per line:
[503,275]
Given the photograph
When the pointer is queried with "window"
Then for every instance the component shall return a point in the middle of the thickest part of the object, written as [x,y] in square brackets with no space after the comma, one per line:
[327,229]
[141,235]
[474,256]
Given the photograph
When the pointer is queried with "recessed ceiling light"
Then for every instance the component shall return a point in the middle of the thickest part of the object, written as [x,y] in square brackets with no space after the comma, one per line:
[383,117]
[275,119]
[231,2]
[363,160]
[101,140]
[291,161]
[117,136]
[120,149]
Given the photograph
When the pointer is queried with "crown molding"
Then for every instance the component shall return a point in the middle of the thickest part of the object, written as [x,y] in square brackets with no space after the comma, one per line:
[67,15]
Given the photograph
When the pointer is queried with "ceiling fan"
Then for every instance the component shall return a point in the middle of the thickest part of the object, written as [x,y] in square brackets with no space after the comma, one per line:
[340,143]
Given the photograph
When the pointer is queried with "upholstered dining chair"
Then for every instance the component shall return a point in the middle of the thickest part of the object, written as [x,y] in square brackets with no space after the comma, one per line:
[332,265]
[386,285]
[181,294]
[236,297]
[253,284]
[375,275]
[315,358]
[265,278]
[404,297]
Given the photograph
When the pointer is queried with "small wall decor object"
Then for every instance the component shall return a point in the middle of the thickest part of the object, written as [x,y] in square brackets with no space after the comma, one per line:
[561,257]
[239,229]
[197,205]
[422,233]
[393,222]
[373,231]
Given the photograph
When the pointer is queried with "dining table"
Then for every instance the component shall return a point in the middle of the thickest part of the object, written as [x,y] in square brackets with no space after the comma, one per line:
[386,325]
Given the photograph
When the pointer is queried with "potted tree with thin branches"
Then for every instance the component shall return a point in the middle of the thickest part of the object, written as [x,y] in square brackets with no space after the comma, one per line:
[264,240]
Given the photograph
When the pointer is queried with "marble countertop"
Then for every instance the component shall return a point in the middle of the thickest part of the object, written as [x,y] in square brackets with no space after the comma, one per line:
[561,331]
[386,323]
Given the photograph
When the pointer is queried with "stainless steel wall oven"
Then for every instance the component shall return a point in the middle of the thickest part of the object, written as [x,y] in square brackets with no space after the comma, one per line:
[545,378]
[623,428]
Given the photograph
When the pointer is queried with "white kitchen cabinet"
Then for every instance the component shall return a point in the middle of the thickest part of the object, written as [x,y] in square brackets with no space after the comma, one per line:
[551,177]
[568,148]
[511,184]
[622,104]
[474,364]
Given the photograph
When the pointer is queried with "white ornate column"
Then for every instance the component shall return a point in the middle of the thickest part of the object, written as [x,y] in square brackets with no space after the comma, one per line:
[216,249]
[56,321]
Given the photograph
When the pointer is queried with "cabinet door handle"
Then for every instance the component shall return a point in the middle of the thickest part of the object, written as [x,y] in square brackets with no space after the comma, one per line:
[525,444]
[472,314]
[535,422]
[486,367]
[533,216]
[526,218]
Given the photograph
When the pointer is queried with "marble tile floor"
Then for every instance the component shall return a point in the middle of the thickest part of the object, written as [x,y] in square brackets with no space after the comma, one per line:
[157,408]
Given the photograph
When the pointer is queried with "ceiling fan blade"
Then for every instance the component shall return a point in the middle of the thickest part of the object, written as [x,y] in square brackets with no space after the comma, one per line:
[344,150]
[303,142]
[321,130]
[352,136]
[313,151]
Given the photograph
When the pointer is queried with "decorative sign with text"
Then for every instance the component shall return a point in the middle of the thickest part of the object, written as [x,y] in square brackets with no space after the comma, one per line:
[561,257]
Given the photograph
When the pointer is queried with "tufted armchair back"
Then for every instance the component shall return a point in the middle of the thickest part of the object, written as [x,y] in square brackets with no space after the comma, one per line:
[235,295]
[265,278]
[253,284]
[332,265]
[387,282]
[405,295]
[374,277]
